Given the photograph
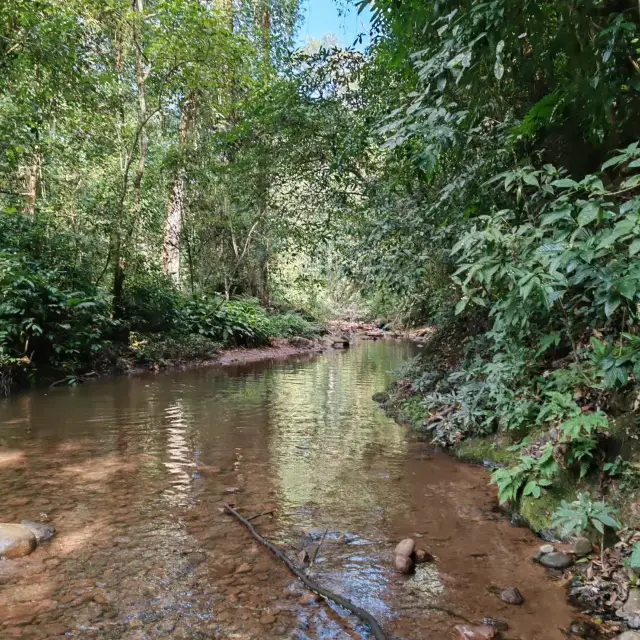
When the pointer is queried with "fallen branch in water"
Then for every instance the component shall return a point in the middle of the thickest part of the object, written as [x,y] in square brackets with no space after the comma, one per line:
[315,553]
[365,616]
[259,515]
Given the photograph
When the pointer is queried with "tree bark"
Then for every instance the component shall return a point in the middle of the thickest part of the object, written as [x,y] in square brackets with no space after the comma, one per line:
[33,173]
[175,213]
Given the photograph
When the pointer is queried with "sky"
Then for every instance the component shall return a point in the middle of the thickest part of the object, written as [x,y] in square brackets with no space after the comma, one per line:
[339,17]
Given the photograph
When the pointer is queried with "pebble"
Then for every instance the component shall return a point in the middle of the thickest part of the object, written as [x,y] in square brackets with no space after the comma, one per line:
[500,625]
[405,547]
[481,632]
[195,558]
[308,597]
[582,547]
[556,560]
[40,530]
[244,568]
[547,548]
[420,556]
[267,618]
[511,595]
[403,564]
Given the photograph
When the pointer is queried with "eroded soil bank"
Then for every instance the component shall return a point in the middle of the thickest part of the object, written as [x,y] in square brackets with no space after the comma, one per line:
[133,472]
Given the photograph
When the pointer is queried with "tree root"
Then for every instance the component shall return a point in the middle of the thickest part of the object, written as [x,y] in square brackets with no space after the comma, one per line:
[365,616]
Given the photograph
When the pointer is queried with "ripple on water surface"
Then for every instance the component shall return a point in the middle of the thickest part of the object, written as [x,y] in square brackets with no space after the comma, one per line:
[133,472]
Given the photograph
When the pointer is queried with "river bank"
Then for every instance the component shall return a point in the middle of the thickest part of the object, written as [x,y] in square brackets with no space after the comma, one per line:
[603,581]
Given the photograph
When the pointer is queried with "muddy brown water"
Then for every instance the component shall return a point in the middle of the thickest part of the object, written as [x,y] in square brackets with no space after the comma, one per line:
[127,469]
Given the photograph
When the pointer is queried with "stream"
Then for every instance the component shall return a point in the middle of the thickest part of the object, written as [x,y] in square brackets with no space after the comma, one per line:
[133,472]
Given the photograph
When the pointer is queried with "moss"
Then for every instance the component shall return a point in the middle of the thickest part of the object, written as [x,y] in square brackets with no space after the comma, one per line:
[481,450]
[538,511]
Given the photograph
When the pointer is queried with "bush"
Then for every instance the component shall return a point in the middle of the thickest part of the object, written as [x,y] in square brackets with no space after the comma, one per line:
[44,324]
[240,322]
[161,349]
[150,302]
[292,325]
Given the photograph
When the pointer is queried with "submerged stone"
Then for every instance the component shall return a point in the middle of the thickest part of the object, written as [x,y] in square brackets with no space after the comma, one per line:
[511,595]
[16,541]
[405,547]
[41,530]
[481,632]
[556,560]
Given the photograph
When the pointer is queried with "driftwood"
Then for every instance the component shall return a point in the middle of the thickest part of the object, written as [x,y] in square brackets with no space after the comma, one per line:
[365,616]
[259,515]
[315,553]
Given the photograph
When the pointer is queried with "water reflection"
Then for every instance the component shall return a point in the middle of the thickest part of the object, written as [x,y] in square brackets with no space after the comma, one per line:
[133,472]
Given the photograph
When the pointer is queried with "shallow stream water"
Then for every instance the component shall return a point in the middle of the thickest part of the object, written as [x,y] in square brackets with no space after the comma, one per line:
[134,471]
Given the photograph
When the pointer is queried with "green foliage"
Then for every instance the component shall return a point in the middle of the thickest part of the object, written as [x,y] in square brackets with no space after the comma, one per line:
[44,323]
[583,515]
[633,560]
[529,476]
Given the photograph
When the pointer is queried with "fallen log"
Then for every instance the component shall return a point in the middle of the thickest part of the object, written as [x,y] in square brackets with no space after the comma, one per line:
[365,616]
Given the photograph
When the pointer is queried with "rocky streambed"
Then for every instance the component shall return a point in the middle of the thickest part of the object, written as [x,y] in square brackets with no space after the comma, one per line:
[133,473]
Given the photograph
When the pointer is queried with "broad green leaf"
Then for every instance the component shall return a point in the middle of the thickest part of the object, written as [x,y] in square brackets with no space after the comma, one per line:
[588,214]
[628,288]
[565,183]
[611,304]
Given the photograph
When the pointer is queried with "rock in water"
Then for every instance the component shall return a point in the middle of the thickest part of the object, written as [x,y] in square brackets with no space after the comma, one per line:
[420,556]
[511,595]
[582,547]
[405,547]
[40,530]
[556,560]
[500,625]
[16,541]
[403,564]
[481,632]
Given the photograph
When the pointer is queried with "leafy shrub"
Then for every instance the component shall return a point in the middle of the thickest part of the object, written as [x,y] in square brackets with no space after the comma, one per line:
[240,322]
[292,325]
[150,302]
[44,324]
[163,349]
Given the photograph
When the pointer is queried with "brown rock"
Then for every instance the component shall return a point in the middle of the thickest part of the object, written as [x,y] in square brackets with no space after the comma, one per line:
[405,547]
[308,597]
[54,629]
[99,597]
[244,568]
[267,618]
[481,632]
[206,470]
[403,564]
[16,541]
[511,595]
[420,556]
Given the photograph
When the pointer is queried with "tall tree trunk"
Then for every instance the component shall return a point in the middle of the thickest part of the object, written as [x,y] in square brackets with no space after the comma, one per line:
[141,76]
[175,212]
[33,174]
[120,245]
